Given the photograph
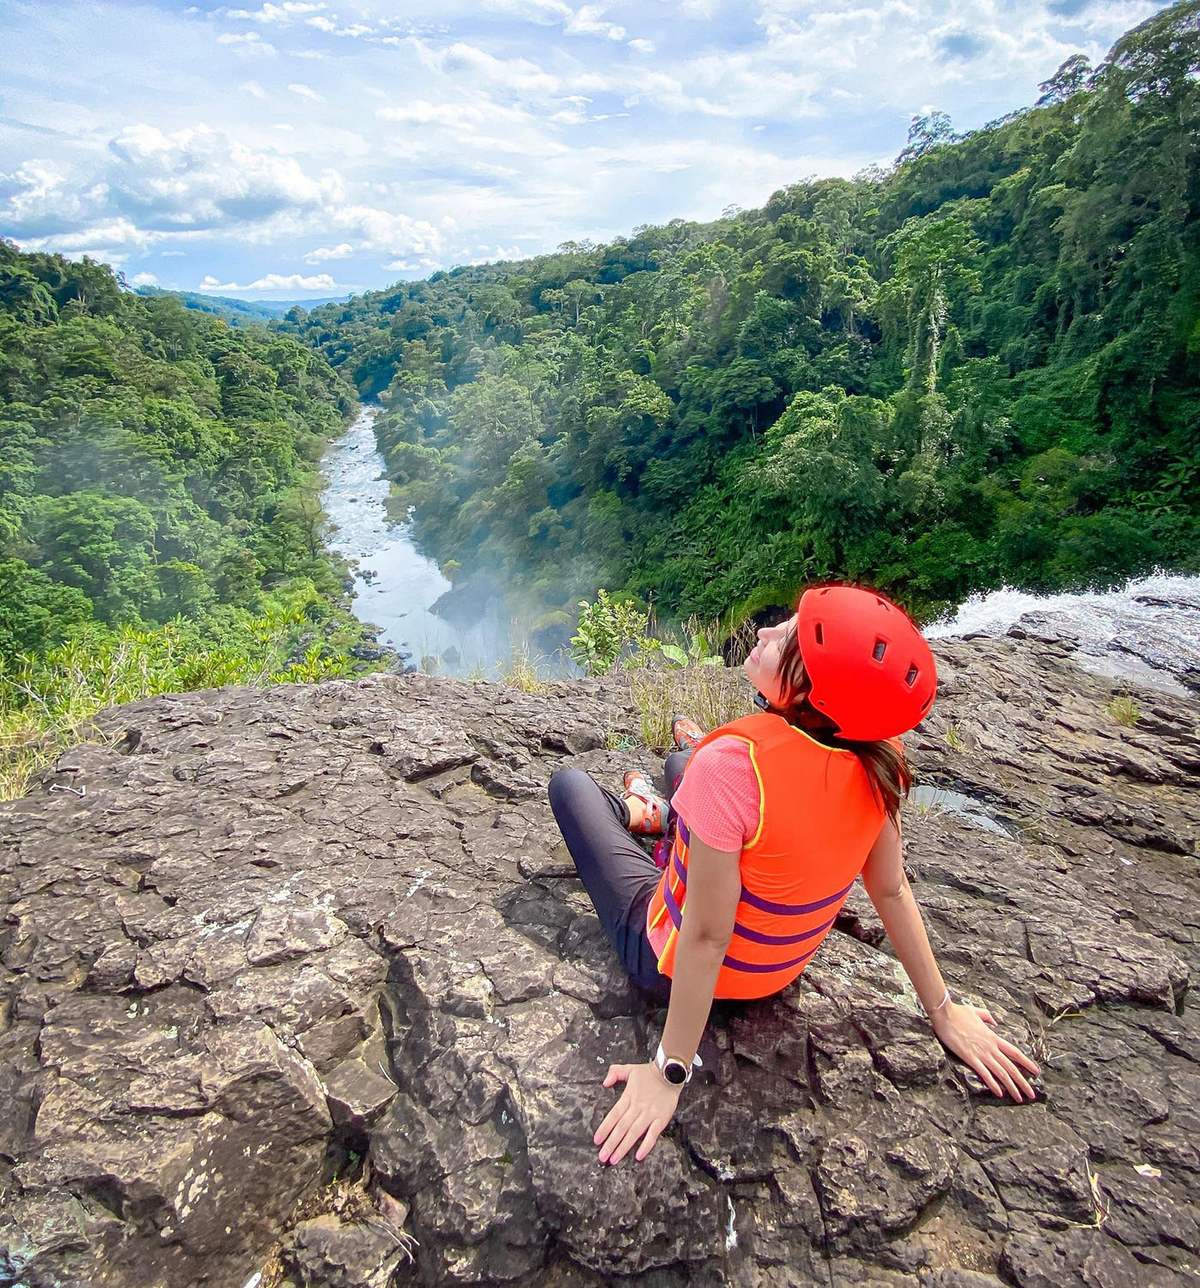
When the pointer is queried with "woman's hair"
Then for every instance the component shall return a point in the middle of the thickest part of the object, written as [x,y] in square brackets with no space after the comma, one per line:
[886,768]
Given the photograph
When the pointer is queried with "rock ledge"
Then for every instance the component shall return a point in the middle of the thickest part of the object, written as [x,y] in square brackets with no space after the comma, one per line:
[304,977]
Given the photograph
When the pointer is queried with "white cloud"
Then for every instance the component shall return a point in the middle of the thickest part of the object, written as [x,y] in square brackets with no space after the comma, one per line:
[331,27]
[483,125]
[253,88]
[543,11]
[104,239]
[144,279]
[273,282]
[589,20]
[322,253]
[247,44]
[420,264]
[385,230]
[281,14]
[640,45]
[202,178]
[518,75]
[305,91]
[422,112]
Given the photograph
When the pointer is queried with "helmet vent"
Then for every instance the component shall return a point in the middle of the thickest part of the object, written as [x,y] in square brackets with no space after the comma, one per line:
[819,632]
[879,650]
[911,678]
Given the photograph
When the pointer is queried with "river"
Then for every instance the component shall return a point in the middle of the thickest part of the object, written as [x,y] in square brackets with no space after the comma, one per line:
[395,585]
[1146,633]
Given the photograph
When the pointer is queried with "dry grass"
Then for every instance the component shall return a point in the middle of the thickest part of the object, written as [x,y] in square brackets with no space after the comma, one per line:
[350,1201]
[1124,710]
[522,672]
[711,695]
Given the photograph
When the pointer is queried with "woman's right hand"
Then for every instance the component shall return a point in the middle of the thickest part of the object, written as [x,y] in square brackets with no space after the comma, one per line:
[969,1031]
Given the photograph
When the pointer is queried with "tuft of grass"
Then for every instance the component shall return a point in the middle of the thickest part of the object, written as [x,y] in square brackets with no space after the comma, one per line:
[711,695]
[954,739]
[1124,710]
[522,672]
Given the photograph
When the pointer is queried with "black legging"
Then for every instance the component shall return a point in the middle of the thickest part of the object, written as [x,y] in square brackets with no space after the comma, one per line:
[619,875]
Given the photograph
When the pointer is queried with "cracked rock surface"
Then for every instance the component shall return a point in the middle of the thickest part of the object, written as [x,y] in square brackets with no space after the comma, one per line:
[325,939]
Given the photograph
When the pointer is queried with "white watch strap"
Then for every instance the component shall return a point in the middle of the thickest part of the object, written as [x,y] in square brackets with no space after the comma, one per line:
[661,1057]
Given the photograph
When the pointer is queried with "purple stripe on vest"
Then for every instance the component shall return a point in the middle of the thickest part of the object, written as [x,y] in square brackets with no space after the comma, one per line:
[792,909]
[676,915]
[755,968]
[757,936]
[682,829]
[765,905]
[672,907]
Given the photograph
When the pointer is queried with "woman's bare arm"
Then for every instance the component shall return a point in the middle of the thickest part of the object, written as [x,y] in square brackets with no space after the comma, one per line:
[885,881]
[714,888]
[966,1030]
[648,1101]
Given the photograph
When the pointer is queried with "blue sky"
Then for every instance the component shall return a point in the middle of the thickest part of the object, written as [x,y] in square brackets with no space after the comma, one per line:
[291,148]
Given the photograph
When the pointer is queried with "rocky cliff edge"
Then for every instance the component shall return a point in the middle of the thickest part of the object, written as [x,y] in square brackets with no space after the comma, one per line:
[301,989]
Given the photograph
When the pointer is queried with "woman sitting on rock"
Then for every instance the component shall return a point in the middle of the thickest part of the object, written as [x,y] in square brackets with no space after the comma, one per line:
[776,816]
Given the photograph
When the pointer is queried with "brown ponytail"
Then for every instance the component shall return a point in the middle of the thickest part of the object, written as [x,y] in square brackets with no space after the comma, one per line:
[886,768]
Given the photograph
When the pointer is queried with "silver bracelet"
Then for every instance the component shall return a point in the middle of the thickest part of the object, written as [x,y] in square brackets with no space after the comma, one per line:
[944,1002]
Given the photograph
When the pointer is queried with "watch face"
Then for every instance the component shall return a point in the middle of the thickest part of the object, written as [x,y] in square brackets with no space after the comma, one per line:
[674,1072]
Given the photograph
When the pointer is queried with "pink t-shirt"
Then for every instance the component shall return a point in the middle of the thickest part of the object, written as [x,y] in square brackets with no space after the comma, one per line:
[719,796]
[719,800]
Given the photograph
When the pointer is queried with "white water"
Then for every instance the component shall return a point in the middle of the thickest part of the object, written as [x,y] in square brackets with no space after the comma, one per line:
[1147,632]
[394,584]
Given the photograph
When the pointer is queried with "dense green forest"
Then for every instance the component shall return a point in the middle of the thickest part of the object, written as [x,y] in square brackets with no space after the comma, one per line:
[160,525]
[978,367]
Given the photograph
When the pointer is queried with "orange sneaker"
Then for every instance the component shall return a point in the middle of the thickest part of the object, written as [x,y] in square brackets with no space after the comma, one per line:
[685,732]
[654,816]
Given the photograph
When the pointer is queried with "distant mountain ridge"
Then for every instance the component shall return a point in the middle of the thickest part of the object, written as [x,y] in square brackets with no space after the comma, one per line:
[240,312]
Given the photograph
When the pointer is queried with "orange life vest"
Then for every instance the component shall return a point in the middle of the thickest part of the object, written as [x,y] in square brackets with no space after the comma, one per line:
[818,819]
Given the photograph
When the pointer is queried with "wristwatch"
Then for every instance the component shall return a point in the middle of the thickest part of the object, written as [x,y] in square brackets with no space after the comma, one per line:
[676,1072]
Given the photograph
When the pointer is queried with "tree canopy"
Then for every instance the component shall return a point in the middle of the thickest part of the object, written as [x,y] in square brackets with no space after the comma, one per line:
[154,462]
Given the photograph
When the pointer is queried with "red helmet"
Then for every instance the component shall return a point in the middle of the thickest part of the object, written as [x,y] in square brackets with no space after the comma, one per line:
[872,673]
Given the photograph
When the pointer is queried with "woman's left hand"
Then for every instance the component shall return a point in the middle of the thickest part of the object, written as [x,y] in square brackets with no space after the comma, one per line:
[645,1108]
[970,1032]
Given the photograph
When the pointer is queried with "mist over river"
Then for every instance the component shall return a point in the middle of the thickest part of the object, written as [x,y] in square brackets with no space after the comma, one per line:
[395,585]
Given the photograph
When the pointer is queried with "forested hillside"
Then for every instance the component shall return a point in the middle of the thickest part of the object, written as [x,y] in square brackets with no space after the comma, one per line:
[235,312]
[159,521]
[981,366]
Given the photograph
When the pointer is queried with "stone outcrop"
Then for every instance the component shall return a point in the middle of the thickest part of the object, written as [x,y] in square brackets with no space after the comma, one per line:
[299,987]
